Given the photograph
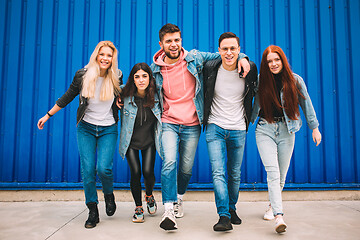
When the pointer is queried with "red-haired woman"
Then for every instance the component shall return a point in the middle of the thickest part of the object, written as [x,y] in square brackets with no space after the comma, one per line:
[277,104]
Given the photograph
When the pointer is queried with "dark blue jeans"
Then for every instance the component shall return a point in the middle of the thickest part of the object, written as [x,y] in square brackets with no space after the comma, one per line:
[94,139]
[222,143]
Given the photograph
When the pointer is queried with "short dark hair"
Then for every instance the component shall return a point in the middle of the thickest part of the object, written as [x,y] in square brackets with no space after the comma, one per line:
[228,35]
[168,28]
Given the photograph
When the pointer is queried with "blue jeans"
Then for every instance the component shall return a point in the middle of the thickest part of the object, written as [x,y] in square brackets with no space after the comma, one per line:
[101,139]
[275,145]
[219,141]
[183,140]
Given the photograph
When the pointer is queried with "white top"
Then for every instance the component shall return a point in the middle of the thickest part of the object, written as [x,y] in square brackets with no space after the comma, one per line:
[99,112]
[227,109]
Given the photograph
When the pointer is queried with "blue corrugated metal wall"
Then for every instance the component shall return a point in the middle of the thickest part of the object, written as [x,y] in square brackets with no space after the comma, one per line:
[43,43]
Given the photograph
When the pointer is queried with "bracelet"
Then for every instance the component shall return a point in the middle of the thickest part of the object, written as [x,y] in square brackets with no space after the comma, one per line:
[49,114]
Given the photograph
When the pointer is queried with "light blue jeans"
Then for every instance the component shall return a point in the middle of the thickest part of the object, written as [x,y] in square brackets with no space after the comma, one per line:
[183,140]
[219,141]
[101,139]
[275,145]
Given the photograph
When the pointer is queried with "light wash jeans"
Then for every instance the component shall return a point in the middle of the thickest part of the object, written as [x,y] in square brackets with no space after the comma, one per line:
[101,139]
[219,141]
[275,145]
[183,140]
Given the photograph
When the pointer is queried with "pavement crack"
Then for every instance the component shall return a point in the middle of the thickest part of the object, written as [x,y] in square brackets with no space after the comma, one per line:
[65,224]
[348,206]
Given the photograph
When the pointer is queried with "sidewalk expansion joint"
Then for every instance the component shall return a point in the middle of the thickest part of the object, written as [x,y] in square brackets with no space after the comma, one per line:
[64,225]
[358,210]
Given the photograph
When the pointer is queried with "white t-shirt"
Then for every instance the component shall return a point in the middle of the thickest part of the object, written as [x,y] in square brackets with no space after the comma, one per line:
[227,109]
[99,112]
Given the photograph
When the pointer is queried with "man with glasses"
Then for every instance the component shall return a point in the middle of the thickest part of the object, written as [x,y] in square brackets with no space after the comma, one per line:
[178,75]
[227,111]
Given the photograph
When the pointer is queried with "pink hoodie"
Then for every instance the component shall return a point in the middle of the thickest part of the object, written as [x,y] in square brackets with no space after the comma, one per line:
[179,91]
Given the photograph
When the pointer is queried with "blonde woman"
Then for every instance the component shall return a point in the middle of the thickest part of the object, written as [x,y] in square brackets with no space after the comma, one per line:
[98,85]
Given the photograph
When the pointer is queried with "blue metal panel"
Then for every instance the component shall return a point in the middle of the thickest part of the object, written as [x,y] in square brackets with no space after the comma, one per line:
[9,126]
[342,46]
[43,44]
[328,111]
[22,168]
[187,33]
[194,186]
[314,89]
[353,9]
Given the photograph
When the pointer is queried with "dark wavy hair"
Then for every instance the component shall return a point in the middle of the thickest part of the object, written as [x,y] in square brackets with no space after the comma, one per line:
[168,28]
[267,94]
[130,88]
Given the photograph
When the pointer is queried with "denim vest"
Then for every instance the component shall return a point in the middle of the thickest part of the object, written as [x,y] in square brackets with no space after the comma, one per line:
[306,106]
[195,62]
[128,115]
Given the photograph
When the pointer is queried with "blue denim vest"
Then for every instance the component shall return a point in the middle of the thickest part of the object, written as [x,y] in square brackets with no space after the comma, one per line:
[306,106]
[195,62]
[128,115]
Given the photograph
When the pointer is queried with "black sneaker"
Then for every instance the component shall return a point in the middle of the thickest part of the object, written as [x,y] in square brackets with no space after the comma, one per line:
[151,204]
[139,215]
[234,217]
[223,224]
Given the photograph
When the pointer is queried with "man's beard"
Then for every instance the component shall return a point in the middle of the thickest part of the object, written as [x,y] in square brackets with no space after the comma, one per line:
[168,54]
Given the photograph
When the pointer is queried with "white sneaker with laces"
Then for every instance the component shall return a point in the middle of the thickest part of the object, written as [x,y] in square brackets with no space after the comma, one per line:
[179,208]
[269,215]
[168,221]
[280,225]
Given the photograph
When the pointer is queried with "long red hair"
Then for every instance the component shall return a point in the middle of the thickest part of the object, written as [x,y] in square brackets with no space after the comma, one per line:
[267,93]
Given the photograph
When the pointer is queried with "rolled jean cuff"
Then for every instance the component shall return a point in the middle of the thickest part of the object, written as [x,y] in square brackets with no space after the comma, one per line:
[225,215]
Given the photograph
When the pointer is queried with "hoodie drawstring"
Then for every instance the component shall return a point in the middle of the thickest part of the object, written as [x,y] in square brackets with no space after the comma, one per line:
[142,111]
[183,77]
[167,78]
[182,70]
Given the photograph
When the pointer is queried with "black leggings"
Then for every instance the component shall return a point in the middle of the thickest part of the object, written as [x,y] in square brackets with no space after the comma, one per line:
[148,162]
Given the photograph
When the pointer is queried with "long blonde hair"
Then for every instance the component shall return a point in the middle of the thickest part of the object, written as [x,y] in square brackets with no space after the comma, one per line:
[110,86]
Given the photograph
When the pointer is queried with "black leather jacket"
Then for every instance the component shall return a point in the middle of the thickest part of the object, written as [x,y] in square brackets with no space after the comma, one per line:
[75,89]
[210,74]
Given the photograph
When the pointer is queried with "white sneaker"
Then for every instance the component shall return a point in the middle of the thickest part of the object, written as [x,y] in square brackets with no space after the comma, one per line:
[179,209]
[280,225]
[168,221]
[269,215]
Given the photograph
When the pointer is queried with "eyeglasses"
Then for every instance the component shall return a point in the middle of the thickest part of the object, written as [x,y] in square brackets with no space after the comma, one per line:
[226,49]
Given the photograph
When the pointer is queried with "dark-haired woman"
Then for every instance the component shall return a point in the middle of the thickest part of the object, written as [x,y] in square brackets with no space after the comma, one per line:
[277,103]
[140,131]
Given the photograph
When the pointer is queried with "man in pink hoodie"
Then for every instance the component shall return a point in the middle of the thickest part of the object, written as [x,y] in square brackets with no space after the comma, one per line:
[179,83]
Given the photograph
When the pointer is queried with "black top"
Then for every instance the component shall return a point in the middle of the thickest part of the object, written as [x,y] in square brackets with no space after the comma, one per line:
[143,133]
[277,112]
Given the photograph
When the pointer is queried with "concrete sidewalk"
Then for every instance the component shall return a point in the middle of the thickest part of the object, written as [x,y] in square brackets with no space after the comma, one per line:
[65,220]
